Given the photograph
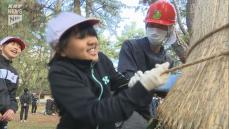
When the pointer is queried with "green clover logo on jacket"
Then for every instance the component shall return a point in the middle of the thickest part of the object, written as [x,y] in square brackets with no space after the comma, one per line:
[106,80]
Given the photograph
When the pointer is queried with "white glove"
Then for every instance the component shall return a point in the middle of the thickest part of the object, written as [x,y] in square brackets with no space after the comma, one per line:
[153,78]
[135,78]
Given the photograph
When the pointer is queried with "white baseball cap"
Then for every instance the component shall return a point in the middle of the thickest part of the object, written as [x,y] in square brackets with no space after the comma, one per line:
[13,39]
[57,26]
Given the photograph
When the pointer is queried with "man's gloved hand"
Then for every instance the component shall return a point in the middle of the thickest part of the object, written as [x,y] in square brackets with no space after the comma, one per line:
[152,79]
[135,78]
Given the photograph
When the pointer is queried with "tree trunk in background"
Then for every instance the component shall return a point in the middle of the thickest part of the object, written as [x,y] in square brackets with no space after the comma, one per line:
[58,5]
[179,18]
[190,6]
[180,46]
[77,6]
[200,98]
[88,8]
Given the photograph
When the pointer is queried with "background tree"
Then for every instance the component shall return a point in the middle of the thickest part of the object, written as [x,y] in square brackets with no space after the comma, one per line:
[190,6]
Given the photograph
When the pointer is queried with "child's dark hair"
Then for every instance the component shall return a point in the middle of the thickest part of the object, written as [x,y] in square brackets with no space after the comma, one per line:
[80,31]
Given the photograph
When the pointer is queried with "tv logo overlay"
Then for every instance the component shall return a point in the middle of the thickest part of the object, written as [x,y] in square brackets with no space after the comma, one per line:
[14,13]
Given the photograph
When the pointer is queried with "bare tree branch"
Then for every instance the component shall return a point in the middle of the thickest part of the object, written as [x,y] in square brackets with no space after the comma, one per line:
[179,18]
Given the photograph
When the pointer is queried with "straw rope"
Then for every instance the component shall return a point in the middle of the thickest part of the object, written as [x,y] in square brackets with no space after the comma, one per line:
[207,36]
[196,62]
[223,53]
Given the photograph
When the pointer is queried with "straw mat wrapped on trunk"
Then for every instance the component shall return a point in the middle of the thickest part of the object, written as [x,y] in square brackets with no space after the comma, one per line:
[200,98]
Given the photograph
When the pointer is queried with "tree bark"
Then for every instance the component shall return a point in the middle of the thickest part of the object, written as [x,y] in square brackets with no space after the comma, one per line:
[77,6]
[179,18]
[190,6]
[200,98]
[88,7]
[58,5]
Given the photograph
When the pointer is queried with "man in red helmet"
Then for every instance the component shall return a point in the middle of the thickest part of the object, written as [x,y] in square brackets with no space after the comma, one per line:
[139,55]
[144,53]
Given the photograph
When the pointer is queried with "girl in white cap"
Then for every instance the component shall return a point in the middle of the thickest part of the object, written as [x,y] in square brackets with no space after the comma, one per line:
[82,79]
[10,48]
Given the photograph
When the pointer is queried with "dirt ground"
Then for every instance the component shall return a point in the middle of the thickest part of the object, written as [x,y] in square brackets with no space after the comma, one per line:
[35,121]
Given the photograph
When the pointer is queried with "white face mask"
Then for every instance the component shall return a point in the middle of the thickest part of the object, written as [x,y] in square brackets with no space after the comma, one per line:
[156,36]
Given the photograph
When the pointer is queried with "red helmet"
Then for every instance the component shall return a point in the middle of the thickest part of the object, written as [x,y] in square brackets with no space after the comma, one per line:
[161,12]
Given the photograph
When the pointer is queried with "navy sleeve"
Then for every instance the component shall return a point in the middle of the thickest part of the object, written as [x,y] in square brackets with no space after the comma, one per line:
[78,100]
[127,64]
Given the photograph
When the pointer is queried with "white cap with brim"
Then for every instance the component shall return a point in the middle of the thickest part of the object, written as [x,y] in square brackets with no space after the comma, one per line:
[13,39]
[57,26]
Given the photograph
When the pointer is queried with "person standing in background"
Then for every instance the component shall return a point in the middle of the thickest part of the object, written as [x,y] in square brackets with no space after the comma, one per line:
[25,100]
[34,103]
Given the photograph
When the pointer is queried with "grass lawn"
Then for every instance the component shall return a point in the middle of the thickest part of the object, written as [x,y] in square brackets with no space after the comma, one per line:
[35,121]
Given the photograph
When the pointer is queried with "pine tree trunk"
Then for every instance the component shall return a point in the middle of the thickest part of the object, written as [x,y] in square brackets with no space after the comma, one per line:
[200,98]
[190,14]
[77,6]
[179,18]
[88,8]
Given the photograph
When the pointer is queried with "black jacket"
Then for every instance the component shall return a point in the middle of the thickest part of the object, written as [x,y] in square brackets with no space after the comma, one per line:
[82,90]
[34,100]
[25,99]
[8,85]
[136,55]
